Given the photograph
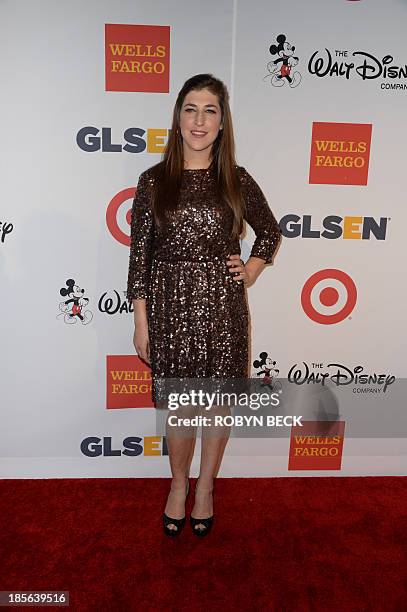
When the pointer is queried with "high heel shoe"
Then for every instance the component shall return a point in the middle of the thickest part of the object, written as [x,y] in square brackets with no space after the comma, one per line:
[206,522]
[178,523]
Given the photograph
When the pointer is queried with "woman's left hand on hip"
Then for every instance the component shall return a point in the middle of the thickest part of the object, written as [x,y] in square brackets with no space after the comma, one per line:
[238,270]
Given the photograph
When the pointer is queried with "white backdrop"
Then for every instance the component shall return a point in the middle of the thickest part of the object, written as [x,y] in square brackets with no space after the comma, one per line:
[55,196]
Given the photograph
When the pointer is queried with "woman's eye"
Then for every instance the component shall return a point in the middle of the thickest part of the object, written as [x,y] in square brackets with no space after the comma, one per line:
[208,110]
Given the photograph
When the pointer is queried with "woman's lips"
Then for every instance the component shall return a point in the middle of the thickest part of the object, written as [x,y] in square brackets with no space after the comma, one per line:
[198,134]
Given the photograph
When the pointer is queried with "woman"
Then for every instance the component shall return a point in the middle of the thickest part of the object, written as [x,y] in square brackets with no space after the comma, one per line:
[186,279]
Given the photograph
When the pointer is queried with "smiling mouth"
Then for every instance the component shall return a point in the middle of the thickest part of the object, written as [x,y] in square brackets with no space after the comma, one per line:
[198,134]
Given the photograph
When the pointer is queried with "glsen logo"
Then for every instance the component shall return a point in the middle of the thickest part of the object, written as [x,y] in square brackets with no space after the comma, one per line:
[137,57]
[128,382]
[328,296]
[138,140]
[348,228]
[340,153]
[132,446]
[317,445]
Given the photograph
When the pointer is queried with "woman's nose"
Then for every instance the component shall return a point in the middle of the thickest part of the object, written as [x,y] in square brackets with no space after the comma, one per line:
[199,118]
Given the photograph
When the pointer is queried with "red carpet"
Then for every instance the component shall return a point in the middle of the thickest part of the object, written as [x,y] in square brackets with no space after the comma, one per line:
[280,544]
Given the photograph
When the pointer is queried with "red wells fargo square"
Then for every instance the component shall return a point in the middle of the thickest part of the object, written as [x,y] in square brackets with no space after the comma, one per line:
[340,153]
[137,57]
[128,382]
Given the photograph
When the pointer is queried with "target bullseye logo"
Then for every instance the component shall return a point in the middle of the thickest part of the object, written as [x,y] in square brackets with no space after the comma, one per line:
[328,296]
[114,213]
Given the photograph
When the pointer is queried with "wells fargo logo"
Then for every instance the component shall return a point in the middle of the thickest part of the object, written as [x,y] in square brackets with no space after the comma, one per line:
[316,445]
[128,382]
[340,153]
[137,57]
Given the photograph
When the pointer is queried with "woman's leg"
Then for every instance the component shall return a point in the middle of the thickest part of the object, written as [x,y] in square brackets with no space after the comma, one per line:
[214,440]
[181,445]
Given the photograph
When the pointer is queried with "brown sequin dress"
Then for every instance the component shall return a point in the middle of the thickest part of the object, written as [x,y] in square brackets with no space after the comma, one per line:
[197,314]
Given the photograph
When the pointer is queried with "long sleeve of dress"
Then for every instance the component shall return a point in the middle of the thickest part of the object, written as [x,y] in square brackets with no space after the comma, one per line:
[142,241]
[260,217]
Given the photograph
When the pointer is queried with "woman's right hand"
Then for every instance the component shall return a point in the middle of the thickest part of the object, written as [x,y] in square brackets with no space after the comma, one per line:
[141,341]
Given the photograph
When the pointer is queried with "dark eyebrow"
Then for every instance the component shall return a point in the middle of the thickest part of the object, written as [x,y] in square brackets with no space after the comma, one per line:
[206,105]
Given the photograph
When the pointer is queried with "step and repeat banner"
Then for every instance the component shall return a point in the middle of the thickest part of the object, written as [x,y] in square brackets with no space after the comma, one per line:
[318,94]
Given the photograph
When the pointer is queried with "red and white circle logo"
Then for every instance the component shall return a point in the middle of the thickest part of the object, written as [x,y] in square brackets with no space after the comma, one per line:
[328,296]
[118,215]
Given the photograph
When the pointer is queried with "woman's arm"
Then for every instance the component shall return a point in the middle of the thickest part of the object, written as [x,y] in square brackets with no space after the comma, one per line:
[268,234]
[260,217]
[141,241]
[141,251]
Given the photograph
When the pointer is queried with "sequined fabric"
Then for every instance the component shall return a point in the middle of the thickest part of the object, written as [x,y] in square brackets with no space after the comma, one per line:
[197,314]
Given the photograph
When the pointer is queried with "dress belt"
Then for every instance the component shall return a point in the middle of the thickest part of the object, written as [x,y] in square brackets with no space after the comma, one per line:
[195,259]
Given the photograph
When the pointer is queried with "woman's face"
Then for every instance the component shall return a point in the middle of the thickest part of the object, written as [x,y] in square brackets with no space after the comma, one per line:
[200,121]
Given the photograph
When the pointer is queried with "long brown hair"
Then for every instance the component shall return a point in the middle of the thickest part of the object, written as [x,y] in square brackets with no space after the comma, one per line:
[168,172]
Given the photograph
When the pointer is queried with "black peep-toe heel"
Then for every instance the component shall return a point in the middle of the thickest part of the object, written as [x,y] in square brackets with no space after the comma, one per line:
[178,523]
[206,522]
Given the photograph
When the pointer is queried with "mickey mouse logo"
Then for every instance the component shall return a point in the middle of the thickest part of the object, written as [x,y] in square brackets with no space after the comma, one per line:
[73,309]
[267,369]
[280,69]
